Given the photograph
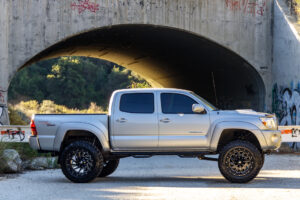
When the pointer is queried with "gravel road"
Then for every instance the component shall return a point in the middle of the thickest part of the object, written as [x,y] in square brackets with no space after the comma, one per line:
[162,177]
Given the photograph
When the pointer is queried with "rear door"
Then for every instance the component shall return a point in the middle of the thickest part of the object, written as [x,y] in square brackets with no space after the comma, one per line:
[135,122]
[179,126]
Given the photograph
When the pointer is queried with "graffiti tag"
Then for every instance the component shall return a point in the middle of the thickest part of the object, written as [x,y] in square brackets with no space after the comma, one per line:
[295,132]
[84,5]
[1,97]
[286,105]
[247,6]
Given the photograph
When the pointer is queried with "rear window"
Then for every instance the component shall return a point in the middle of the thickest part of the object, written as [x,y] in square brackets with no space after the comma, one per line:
[137,103]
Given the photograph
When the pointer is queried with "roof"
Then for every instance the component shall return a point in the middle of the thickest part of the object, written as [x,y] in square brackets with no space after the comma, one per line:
[151,89]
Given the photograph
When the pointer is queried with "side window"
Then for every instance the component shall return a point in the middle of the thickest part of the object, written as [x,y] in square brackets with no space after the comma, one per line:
[172,103]
[137,103]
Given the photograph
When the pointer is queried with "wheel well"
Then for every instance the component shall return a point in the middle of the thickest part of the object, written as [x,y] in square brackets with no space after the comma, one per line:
[80,135]
[229,135]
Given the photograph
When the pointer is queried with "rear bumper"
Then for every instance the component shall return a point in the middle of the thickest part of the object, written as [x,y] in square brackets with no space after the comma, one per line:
[34,143]
[273,139]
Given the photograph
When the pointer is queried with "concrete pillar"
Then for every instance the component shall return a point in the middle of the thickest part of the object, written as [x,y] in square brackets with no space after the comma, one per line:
[4,61]
[4,84]
[4,119]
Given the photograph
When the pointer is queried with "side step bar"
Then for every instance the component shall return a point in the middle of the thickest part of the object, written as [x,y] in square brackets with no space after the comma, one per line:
[207,158]
[142,156]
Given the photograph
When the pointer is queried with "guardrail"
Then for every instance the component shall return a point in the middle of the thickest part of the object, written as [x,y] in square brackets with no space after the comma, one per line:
[14,133]
[290,133]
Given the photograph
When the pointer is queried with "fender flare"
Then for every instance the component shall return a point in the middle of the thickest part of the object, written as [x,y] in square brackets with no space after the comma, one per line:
[99,132]
[221,126]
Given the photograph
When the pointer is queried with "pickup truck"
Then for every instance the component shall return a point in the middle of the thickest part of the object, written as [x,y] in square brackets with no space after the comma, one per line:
[146,122]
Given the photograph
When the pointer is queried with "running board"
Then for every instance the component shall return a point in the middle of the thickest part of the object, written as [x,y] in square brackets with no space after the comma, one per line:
[207,158]
[154,153]
[142,156]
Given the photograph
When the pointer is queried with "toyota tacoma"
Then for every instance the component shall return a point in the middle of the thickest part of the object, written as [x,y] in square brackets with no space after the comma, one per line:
[148,122]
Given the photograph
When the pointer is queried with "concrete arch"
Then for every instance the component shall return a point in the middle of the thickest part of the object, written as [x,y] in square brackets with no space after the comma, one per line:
[170,57]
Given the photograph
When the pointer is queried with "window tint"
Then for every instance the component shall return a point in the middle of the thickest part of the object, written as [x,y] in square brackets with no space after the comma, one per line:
[176,103]
[137,103]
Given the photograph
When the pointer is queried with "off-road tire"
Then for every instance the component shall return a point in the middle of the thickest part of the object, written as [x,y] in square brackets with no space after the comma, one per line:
[262,160]
[109,167]
[92,159]
[240,161]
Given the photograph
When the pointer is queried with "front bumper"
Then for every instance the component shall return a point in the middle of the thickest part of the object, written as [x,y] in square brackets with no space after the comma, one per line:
[34,142]
[273,139]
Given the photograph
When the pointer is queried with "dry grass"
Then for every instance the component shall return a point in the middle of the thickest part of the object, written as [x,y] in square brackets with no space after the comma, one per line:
[25,109]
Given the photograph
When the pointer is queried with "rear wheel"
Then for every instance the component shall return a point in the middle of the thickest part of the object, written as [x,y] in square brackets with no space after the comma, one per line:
[81,161]
[262,160]
[109,167]
[240,161]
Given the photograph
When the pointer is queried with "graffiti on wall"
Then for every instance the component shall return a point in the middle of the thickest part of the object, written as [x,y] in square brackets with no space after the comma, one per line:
[251,7]
[84,5]
[286,104]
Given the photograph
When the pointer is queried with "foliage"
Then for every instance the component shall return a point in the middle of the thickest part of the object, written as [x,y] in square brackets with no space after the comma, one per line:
[294,6]
[27,108]
[297,9]
[15,117]
[74,82]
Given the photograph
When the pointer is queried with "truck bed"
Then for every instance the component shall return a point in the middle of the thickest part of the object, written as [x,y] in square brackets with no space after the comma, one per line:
[50,125]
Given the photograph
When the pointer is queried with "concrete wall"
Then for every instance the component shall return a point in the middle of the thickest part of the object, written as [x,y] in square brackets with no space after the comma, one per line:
[286,67]
[28,27]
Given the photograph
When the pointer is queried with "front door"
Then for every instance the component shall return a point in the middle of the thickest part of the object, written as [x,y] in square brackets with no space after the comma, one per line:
[135,123]
[179,126]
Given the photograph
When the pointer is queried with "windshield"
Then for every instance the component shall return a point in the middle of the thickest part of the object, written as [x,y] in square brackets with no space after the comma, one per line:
[204,101]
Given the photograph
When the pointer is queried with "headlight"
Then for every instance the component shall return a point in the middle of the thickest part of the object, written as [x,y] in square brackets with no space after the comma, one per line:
[269,123]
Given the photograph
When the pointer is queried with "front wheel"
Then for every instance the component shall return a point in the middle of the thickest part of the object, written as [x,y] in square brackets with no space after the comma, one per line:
[81,161]
[240,161]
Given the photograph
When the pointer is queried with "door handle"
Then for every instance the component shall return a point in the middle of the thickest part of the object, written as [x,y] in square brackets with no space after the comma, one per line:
[121,120]
[165,120]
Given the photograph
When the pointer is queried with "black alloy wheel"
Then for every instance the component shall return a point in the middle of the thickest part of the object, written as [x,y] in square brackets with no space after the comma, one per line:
[81,161]
[240,161]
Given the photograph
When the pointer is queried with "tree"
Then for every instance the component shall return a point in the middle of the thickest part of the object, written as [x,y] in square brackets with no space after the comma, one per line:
[72,81]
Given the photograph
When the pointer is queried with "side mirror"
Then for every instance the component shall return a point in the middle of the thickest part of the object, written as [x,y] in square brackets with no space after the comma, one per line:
[197,108]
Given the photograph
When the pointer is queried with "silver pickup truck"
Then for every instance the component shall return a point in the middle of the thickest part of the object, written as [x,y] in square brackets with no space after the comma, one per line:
[146,122]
